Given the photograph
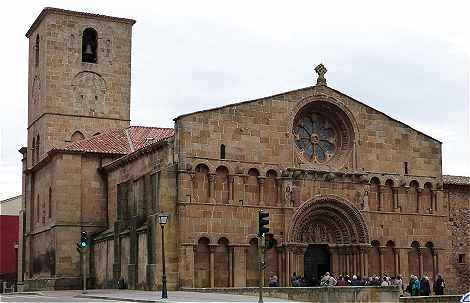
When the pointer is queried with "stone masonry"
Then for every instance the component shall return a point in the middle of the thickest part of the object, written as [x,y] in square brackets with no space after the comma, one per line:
[349,189]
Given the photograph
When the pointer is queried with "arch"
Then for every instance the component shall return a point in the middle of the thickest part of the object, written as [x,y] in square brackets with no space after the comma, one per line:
[252,187]
[428,267]
[413,196]
[374,194]
[89,93]
[349,225]
[387,203]
[201,183]
[221,184]
[77,136]
[251,264]
[374,258]
[202,263]
[36,51]
[221,264]
[426,198]
[271,261]
[270,188]
[413,259]
[389,258]
[90,45]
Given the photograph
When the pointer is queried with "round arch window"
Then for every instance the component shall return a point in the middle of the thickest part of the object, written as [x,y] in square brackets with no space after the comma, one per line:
[323,134]
[316,137]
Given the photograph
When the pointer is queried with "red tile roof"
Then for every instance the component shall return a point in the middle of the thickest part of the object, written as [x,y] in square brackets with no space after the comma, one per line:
[121,141]
[456,180]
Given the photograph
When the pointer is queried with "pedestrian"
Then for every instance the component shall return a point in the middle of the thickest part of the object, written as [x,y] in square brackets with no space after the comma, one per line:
[341,281]
[425,287]
[355,281]
[415,287]
[384,282]
[273,281]
[324,279]
[399,283]
[439,286]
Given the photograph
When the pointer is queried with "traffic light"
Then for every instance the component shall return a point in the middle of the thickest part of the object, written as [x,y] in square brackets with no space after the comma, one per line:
[263,221]
[83,240]
[270,241]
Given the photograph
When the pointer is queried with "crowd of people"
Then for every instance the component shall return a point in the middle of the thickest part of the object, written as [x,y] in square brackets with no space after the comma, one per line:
[416,286]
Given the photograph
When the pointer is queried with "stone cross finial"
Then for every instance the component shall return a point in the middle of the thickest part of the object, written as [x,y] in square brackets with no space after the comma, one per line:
[321,71]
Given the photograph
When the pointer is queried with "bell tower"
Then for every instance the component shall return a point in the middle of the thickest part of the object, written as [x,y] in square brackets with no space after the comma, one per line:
[79,78]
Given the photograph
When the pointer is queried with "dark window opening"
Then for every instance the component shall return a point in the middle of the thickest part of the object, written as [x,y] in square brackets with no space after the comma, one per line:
[406,168]
[461,258]
[50,202]
[222,151]
[89,46]
[36,51]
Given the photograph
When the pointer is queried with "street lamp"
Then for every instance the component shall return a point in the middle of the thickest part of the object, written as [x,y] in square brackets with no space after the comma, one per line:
[162,220]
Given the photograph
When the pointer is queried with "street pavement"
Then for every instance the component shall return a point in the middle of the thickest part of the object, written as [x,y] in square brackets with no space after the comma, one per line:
[114,295]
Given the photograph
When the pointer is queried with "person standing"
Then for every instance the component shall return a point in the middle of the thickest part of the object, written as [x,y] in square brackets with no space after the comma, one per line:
[425,286]
[439,286]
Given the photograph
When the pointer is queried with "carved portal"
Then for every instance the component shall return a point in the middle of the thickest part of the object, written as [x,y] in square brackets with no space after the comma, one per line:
[89,92]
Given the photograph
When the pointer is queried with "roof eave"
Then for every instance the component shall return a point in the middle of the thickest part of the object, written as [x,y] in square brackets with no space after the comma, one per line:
[48,10]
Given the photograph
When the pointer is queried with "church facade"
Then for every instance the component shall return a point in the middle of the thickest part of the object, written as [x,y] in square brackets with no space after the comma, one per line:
[349,189]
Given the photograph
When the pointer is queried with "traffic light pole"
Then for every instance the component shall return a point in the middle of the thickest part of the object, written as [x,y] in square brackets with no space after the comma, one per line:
[261,266]
[83,255]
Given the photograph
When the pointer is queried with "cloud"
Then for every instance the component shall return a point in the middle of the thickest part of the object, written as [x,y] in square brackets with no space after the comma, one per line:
[192,55]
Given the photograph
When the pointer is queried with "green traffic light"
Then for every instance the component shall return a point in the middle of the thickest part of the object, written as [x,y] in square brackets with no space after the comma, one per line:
[82,244]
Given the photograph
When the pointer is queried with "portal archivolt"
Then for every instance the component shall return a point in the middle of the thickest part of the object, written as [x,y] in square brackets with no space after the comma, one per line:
[328,220]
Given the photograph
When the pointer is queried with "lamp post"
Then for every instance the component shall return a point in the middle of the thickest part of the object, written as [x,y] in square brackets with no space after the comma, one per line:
[163,219]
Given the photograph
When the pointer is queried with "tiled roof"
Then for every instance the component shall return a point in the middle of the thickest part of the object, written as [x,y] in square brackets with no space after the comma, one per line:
[120,141]
[456,180]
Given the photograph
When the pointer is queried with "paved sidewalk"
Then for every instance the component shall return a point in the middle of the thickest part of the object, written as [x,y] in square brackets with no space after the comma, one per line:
[110,295]
[173,296]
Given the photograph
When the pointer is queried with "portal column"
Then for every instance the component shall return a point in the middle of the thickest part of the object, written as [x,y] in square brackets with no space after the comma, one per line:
[396,255]
[420,255]
[381,255]
[212,248]
[334,259]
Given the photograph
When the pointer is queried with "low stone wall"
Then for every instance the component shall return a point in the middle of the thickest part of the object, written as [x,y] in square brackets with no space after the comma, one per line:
[432,299]
[364,294]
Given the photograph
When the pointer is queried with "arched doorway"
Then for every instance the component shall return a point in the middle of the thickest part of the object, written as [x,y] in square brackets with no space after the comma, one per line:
[334,235]
[316,263]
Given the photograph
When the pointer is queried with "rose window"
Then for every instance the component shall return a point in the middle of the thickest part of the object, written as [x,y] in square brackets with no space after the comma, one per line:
[316,137]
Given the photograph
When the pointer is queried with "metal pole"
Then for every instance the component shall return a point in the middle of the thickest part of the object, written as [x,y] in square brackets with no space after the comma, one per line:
[83,255]
[164,290]
[261,267]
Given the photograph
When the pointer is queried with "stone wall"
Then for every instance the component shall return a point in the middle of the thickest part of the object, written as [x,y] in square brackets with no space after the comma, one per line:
[459,231]
[150,189]
[318,294]
[68,95]
[432,299]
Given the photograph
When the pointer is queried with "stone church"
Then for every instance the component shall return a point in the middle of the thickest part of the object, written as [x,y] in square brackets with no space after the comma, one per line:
[349,189]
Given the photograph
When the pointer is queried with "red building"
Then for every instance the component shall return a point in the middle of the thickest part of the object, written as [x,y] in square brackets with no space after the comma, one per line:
[9,223]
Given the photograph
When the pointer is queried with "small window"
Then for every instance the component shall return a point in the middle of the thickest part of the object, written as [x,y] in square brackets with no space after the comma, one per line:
[50,202]
[406,168]
[89,45]
[222,151]
[36,51]
[461,258]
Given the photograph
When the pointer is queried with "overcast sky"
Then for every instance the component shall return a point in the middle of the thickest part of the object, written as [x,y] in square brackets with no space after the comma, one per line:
[408,59]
